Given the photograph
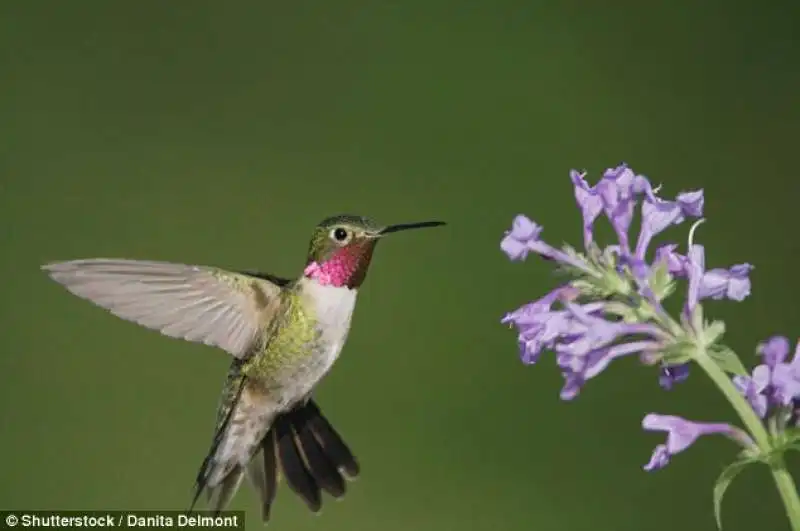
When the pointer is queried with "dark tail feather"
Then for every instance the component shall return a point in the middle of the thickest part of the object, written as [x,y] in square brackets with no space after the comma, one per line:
[297,474]
[263,474]
[322,467]
[334,447]
[312,458]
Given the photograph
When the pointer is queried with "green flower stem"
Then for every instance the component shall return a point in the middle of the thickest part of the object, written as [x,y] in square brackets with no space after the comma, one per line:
[783,479]
[788,491]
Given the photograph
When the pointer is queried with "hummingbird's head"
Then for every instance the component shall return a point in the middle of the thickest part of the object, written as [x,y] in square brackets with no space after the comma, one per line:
[341,248]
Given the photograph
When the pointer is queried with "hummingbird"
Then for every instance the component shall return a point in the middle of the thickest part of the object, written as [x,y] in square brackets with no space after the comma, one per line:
[283,335]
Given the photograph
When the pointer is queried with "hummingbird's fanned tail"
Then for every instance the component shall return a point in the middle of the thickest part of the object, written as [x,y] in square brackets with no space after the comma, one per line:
[306,450]
[299,444]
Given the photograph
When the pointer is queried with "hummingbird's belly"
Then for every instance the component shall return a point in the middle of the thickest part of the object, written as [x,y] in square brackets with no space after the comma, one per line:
[305,350]
[300,380]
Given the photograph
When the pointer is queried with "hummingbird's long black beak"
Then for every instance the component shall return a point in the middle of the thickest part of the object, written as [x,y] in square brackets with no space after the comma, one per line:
[409,226]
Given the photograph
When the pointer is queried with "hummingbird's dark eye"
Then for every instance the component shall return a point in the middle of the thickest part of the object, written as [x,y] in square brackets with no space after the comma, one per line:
[340,234]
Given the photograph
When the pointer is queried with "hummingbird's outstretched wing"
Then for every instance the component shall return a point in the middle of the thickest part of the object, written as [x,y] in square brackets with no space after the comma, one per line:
[196,303]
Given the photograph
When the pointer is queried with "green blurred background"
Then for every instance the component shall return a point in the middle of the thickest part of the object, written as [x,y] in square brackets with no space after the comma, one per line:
[205,133]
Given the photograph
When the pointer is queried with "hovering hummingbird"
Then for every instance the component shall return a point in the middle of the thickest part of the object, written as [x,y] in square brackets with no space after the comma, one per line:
[284,336]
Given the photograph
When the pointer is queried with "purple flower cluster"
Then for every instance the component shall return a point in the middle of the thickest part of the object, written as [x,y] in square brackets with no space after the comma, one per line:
[612,305]
[774,384]
[582,335]
[773,388]
[718,283]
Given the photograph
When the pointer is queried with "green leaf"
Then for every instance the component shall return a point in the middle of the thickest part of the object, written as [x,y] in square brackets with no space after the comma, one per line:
[697,317]
[792,435]
[616,283]
[724,481]
[623,311]
[678,353]
[576,256]
[728,361]
[787,440]
[794,447]
[594,254]
[661,282]
[589,287]
[713,332]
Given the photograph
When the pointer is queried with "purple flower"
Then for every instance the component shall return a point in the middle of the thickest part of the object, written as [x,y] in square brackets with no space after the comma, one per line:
[612,307]
[586,354]
[733,283]
[600,332]
[616,191]
[588,201]
[578,369]
[673,374]
[695,266]
[583,336]
[682,433]
[785,384]
[523,231]
[676,263]
[658,214]
[774,350]
[775,383]
[524,237]
[753,389]
[730,283]
[615,194]
[780,380]
[580,336]
[538,326]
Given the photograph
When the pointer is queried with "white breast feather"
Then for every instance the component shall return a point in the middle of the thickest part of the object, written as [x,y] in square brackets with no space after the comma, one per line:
[333,308]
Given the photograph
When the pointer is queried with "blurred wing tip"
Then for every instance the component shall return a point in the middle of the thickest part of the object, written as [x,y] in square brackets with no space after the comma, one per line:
[67,265]
[50,266]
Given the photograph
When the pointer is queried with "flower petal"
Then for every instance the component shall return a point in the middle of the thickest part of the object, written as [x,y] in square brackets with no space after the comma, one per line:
[658,214]
[752,391]
[786,386]
[774,350]
[659,459]
[588,201]
[673,374]
[577,369]
[732,283]
[618,198]
[691,203]
[523,229]
[676,263]
[516,241]
[696,261]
